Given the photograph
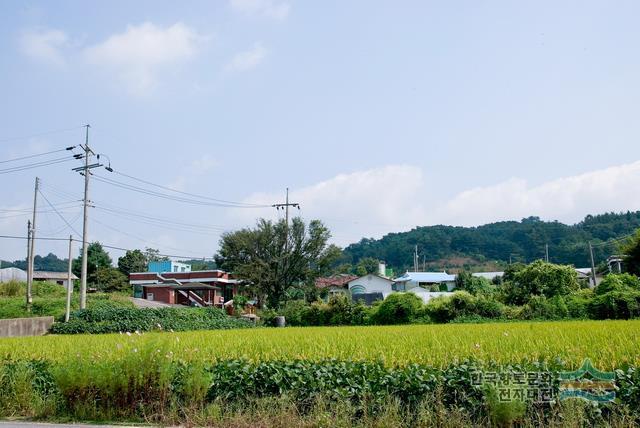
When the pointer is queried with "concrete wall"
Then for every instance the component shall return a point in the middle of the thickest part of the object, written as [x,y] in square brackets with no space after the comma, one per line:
[25,326]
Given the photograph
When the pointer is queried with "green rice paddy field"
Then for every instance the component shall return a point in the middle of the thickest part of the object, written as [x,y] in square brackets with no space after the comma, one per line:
[609,344]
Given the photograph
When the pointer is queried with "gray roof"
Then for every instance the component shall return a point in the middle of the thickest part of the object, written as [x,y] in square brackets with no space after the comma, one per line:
[41,274]
[432,277]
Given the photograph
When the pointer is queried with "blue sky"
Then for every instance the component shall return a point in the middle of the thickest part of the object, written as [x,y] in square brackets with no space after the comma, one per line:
[378,115]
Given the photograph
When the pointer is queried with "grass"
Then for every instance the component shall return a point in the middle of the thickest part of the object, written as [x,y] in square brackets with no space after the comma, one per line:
[49,299]
[609,344]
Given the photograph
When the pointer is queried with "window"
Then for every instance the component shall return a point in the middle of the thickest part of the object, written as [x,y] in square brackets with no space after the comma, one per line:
[175,268]
[358,289]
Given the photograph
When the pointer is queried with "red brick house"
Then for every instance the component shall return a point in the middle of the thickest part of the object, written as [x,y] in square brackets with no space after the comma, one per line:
[200,288]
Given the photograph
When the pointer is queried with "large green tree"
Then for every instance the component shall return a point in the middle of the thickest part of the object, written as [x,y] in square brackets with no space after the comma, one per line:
[276,259]
[132,261]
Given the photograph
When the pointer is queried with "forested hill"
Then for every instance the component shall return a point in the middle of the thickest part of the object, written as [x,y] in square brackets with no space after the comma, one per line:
[490,246]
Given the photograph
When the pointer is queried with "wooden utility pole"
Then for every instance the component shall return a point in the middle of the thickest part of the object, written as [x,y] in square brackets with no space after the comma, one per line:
[546,252]
[69,283]
[593,264]
[29,299]
[32,246]
[85,170]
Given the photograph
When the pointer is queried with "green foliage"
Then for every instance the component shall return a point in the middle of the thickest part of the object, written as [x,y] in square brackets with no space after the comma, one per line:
[398,308]
[631,249]
[465,281]
[542,308]
[153,255]
[540,279]
[132,261]
[97,258]
[50,262]
[498,241]
[153,386]
[578,303]
[100,318]
[275,258]
[462,304]
[49,299]
[339,310]
[616,304]
[366,265]
[12,288]
[111,279]
[618,282]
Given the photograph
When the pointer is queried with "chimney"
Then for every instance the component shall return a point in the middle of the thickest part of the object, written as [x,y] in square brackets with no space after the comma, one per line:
[382,269]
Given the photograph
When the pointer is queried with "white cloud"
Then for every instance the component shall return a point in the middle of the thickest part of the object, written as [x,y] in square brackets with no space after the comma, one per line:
[268,8]
[566,199]
[141,52]
[394,198]
[360,203]
[44,45]
[247,60]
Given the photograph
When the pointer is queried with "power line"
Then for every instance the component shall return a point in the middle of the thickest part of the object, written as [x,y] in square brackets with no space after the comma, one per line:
[244,204]
[41,238]
[39,134]
[36,155]
[134,216]
[172,197]
[59,215]
[137,237]
[35,165]
[111,247]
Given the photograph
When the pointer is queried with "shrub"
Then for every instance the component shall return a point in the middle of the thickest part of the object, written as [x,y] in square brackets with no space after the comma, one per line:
[463,305]
[340,310]
[618,282]
[104,318]
[617,304]
[541,308]
[398,308]
[577,303]
[540,279]
[12,288]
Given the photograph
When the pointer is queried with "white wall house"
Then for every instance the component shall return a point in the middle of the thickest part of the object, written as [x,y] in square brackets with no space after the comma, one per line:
[424,280]
[371,283]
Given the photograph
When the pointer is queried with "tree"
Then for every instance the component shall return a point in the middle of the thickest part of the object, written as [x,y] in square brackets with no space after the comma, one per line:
[111,279]
[132,261]
[275,258]
[97,258]
[153,255]
[540,279]
[631,249]
[366,266]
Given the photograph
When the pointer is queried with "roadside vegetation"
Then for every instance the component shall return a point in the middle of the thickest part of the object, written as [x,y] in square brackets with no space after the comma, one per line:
[49,299]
